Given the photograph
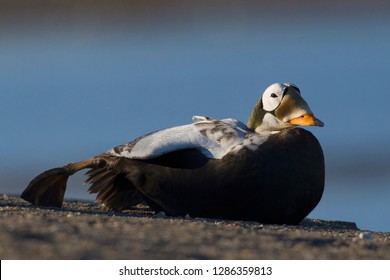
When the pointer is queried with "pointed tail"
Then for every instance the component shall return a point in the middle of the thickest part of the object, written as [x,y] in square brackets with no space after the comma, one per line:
[48,188]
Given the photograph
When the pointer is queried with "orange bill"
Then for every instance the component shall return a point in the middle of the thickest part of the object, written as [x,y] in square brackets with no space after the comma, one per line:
[306,120]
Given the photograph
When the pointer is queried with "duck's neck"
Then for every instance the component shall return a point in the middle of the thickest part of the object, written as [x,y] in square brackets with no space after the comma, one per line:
[256,117]
[264,122]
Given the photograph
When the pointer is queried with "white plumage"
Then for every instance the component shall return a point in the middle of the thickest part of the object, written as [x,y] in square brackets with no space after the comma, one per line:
[214,138]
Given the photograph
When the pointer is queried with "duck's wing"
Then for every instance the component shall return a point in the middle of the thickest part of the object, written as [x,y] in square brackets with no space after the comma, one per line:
[214,138]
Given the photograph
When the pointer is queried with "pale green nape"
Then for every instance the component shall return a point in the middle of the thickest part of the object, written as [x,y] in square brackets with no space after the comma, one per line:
[256,116]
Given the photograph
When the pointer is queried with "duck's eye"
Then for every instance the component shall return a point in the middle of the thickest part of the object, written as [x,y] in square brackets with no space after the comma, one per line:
[272,97]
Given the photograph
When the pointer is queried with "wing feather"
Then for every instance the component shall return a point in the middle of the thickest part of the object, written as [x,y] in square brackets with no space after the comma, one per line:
[214,138]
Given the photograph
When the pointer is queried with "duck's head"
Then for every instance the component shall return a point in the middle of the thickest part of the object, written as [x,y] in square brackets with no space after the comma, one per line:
[280,107]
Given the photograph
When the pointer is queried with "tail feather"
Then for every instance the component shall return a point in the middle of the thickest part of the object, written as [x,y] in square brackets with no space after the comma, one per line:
[106,189]
[99,180]
[113,189]
[96,174]
[102,186]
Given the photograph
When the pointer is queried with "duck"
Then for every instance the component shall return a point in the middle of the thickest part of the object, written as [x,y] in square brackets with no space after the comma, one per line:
[270,170]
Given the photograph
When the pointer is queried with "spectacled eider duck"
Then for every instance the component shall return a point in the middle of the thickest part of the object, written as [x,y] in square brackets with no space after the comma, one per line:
[268,171]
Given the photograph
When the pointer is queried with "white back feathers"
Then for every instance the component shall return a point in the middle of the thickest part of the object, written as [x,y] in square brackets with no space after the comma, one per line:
[214,138]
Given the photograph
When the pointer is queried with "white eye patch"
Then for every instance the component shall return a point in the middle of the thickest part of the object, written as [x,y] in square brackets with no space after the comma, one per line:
[272,96]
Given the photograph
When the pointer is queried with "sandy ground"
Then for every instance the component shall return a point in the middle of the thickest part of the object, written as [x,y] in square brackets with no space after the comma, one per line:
[82,230]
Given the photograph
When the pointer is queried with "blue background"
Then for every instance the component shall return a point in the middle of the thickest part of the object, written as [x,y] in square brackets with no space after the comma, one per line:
[76,82]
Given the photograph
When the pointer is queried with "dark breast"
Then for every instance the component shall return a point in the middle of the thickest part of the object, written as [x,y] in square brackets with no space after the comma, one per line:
[281,182]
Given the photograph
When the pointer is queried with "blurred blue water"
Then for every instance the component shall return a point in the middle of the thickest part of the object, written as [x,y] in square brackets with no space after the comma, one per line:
[71,92]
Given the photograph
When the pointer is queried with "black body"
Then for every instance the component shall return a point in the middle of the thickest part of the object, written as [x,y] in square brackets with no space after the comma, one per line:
[281,182]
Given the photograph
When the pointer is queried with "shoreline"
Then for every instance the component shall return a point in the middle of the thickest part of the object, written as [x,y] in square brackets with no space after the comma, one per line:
[83,230]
